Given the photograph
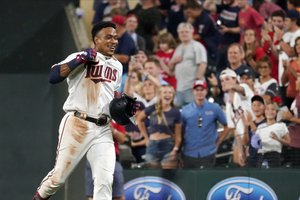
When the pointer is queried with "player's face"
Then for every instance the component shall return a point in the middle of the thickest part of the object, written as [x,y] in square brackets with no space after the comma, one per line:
[106,41]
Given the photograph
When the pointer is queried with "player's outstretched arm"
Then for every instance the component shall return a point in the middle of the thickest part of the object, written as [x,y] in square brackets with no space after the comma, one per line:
[59,72]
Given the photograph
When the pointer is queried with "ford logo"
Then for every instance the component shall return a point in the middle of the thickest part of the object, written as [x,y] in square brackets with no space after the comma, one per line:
[152,188]
[241,188]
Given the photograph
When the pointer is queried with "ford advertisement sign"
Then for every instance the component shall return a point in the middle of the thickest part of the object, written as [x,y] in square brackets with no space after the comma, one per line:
[241,188]
[152,188]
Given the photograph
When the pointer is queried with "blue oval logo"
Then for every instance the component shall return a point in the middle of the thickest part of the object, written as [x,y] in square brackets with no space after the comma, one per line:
[241,188]
[152,188]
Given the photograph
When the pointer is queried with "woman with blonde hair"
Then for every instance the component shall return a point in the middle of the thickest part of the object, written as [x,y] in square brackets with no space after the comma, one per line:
[163,134]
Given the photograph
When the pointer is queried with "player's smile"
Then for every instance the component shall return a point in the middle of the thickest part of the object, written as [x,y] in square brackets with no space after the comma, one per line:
[106,41]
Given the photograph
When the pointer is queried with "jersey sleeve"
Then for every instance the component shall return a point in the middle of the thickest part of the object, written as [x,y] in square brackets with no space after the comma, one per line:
[68,59]
[119,80]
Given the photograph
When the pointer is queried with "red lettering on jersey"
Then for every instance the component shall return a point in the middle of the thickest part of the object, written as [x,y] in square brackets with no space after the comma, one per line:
[114,75]
[95,73]
[108,73]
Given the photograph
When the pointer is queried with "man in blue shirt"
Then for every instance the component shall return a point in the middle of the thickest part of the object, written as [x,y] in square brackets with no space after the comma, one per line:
[200,123]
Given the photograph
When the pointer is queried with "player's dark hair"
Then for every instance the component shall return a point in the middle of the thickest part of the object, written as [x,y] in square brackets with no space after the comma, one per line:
[100,25]
[278,13]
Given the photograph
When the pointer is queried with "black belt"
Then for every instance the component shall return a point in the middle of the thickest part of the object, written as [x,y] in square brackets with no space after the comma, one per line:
[101,121]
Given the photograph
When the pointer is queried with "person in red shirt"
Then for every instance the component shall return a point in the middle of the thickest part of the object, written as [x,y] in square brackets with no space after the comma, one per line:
[253,51]
[270,41]
[166,46]
[249,18]
[290,74]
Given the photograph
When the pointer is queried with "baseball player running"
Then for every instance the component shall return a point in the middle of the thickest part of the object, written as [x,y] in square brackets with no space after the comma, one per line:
[93,77]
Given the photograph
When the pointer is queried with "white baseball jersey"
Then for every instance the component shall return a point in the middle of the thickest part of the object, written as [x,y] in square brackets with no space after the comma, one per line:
[91,91]
[240,105]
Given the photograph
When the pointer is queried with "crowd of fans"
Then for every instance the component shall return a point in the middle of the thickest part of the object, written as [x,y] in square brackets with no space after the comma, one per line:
[198,67]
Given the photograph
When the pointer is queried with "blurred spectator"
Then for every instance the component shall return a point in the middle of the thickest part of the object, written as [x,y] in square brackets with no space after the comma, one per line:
[258,109]
[265,8]
[290,74]
[188,63]
[119,136]
[164,6]
[149,21]
[200,120]
[294,127]
[235,57]
[175,17]
[137,141]
[293,31]
[265,85]
[131,26]
[163,135]
[149,93]
[205,30]
[270,138]
[237,99]
[103,12]
[253,51]
[247,76]
[228,26]
[126,46]
[152,71]
[249,18]
[165,50]
[270,39]
[294,5]
[134,83]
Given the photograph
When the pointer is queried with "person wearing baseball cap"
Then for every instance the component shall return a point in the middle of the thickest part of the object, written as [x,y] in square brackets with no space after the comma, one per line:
[258,109]
[199,121]
[237,99]
[247,76]
[126,47]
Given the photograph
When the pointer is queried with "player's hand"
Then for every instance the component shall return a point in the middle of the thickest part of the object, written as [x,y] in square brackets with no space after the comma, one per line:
[88,55]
